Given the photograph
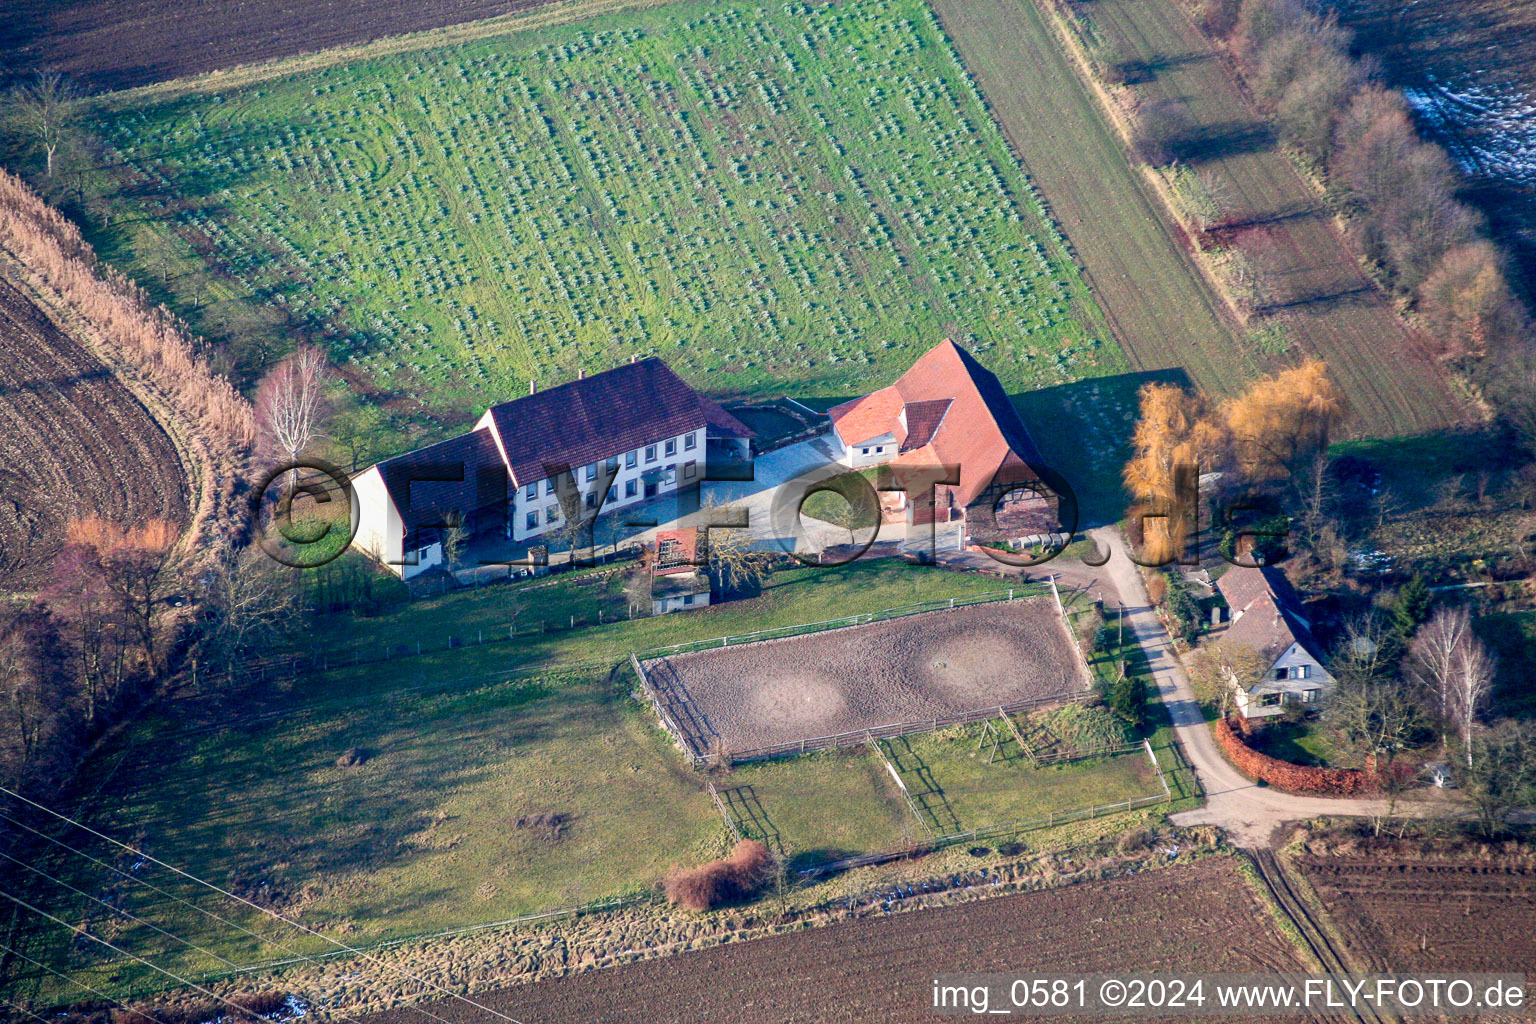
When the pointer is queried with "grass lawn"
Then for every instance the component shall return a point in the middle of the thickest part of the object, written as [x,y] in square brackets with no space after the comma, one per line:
[957,789]
[820,807]
[801,195]
[789,596]
[424,835]
[448,820]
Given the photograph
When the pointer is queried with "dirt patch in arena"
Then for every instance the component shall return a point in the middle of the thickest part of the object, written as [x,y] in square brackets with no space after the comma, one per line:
[1412,910]
[74,442]
[861,677]
[1202,917]
[115,44]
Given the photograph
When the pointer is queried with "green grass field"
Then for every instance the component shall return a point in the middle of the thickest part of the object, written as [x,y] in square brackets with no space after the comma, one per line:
[467,753]
[800,194]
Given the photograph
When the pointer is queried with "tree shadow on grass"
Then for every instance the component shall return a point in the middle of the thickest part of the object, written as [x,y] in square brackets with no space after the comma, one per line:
[1083,430]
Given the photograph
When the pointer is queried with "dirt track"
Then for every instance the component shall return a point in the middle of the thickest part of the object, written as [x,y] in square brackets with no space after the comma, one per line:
[73,442]
[1201,917]
[901,670]
[115,44]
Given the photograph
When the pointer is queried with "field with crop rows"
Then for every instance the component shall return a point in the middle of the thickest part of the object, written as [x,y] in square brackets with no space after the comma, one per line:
[1320,298]
[112,44]
[1468,912]
[74,442]
[801,194]
[1163,315]
[1202,916]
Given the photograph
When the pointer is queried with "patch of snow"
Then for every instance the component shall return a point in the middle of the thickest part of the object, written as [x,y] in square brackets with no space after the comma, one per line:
[1489,128]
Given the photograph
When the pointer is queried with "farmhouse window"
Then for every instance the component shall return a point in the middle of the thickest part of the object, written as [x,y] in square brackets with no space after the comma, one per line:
[591,499]
[629,488]
[613,493]
[533,519]
[690,469]
[879,449]
[863,451]
[613,464]
[671,475]
[1301,671]
[672,446]
[592,472]
[650,453]
[532,491]
[687,599]
[629,459]
[690,442]
[650,489]
[549,486]
[552,513]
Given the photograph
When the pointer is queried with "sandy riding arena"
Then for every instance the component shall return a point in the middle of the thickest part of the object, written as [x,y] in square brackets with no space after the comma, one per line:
[925,666]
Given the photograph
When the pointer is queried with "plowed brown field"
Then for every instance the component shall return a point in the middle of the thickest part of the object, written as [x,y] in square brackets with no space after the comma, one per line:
[114,44]
[1407,916]
[1201,917]
[73,442]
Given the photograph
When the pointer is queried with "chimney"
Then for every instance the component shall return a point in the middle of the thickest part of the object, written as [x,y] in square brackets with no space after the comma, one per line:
[533,386]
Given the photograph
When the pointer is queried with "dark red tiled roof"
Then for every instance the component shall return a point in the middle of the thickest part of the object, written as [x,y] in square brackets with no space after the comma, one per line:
[468,475]
[597,417]
[677,550]
[923,419]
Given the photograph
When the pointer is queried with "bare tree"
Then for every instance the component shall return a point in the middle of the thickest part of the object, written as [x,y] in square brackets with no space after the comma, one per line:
[1455,668]
[1377,719]
[454,537]
[43,110]
[729,547]
[1501,772]
[291,403]
[1472,688]
[1368,650]
[248,605]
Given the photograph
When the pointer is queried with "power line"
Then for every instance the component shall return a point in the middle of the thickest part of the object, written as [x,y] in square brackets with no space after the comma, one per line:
[185,902]
[119,950]
[256,906]
[23,1009]
[74,981]
[119,911]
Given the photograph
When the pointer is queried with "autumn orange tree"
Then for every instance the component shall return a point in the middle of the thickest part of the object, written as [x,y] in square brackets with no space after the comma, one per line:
[1267,434]
[1282,422]
[1177,429]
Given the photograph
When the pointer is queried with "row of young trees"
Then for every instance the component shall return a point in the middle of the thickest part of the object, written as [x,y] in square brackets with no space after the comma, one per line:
[1360,136]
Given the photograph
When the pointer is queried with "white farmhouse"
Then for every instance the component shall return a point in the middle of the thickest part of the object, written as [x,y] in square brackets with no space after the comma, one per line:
[1267,620]
[639,425]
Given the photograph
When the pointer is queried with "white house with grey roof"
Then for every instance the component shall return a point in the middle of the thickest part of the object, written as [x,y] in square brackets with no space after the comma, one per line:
[638,428]
[1267,619]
